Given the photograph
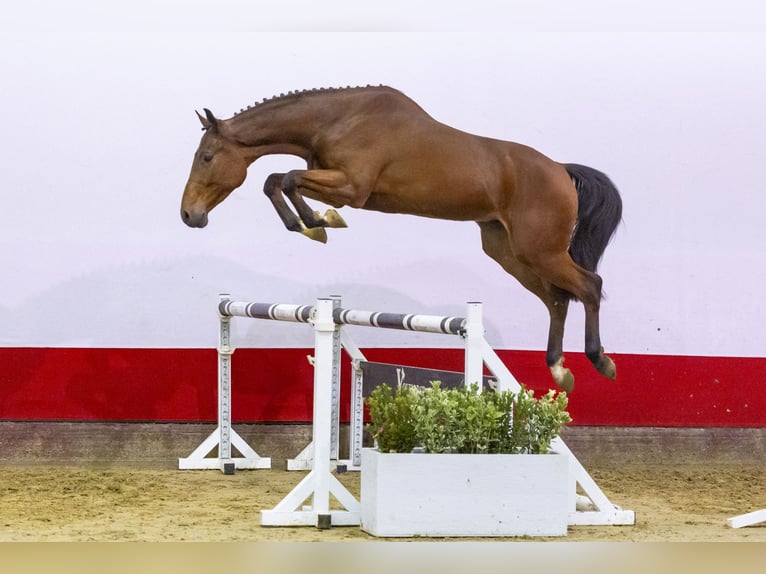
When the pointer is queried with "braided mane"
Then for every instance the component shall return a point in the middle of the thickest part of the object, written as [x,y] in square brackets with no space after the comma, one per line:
[298,93]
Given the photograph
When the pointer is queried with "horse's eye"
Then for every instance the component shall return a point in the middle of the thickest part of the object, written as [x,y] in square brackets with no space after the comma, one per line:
[207,157]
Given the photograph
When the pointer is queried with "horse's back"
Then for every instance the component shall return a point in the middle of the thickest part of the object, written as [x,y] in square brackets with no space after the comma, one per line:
[415,164]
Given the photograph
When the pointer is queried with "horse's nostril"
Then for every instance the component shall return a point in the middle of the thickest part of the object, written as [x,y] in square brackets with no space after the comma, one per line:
[194,219]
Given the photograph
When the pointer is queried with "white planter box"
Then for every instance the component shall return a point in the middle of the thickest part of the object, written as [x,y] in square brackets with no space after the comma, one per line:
[464,494]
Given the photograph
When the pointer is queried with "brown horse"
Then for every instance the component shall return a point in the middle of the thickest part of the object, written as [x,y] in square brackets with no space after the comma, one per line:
[545,223]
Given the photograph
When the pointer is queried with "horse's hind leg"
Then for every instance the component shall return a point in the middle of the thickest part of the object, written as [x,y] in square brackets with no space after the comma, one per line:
[584,285]
[557,309]
[593,348]
[496,244]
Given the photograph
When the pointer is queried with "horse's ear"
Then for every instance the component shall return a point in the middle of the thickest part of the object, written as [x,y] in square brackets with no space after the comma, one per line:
[211,119]
[208,121]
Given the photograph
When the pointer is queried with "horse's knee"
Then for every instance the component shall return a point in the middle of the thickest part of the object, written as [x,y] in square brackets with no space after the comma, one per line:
[290,182]
[273,184]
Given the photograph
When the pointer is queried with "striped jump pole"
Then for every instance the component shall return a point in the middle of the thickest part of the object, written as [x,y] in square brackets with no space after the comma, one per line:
[470,328]
[401,321]
[294,314]
[272,311]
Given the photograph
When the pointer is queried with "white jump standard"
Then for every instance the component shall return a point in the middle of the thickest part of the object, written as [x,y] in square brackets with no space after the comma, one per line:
[319,483]
[224,436]
[327,319]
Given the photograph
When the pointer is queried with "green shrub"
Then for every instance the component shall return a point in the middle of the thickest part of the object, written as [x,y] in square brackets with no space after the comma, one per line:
[465,421]
[392,420]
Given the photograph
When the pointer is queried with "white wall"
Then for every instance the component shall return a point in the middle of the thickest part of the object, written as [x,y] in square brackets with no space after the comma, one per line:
[99,130]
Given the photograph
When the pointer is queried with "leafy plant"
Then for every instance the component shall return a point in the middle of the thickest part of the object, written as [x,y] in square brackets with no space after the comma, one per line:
[392,418]
[463,420]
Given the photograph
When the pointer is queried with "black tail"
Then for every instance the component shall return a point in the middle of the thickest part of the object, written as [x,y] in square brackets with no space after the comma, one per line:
[598,214]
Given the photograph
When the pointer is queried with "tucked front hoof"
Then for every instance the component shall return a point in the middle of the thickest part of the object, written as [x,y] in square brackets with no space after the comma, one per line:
[333,219]
[316,233]
[563,376]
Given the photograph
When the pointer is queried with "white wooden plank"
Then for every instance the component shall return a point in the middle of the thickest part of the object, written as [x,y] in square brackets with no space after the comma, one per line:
[749,519]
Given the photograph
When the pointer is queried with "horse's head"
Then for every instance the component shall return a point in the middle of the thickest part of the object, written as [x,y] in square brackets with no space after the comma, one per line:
[217,170]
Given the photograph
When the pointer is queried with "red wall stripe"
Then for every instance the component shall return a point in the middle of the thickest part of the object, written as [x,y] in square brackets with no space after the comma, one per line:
[276,385]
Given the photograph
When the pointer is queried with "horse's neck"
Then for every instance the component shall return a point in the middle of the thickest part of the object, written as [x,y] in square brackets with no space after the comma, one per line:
[279,125]
[290,126]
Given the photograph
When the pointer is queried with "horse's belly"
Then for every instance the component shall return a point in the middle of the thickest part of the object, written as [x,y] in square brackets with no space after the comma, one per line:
[463,206]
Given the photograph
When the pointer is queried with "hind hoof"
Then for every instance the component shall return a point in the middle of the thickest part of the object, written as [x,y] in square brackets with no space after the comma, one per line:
[563,376]
[607,367]
[604,365]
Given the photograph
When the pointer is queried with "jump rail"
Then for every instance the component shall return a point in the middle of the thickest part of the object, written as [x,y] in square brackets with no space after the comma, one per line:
[327,318]
[303,313]
[228,308]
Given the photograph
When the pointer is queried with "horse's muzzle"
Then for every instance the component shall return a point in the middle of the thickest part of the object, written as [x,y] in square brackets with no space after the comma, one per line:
[198,219]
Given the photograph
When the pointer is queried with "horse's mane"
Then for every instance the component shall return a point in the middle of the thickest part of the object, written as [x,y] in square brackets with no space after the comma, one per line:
[299,93]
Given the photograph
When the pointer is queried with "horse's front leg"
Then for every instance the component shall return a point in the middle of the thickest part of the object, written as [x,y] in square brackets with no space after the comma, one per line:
[330,186]
[273,190]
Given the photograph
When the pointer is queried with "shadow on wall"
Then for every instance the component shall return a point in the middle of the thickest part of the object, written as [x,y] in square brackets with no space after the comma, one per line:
[130,307]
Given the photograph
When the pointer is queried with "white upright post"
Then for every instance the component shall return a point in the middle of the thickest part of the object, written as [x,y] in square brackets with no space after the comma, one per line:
[225,351]
[474,335]
[224,435]
[319,483]
[324,343]
[305,459]
[335,390]
[356,430]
